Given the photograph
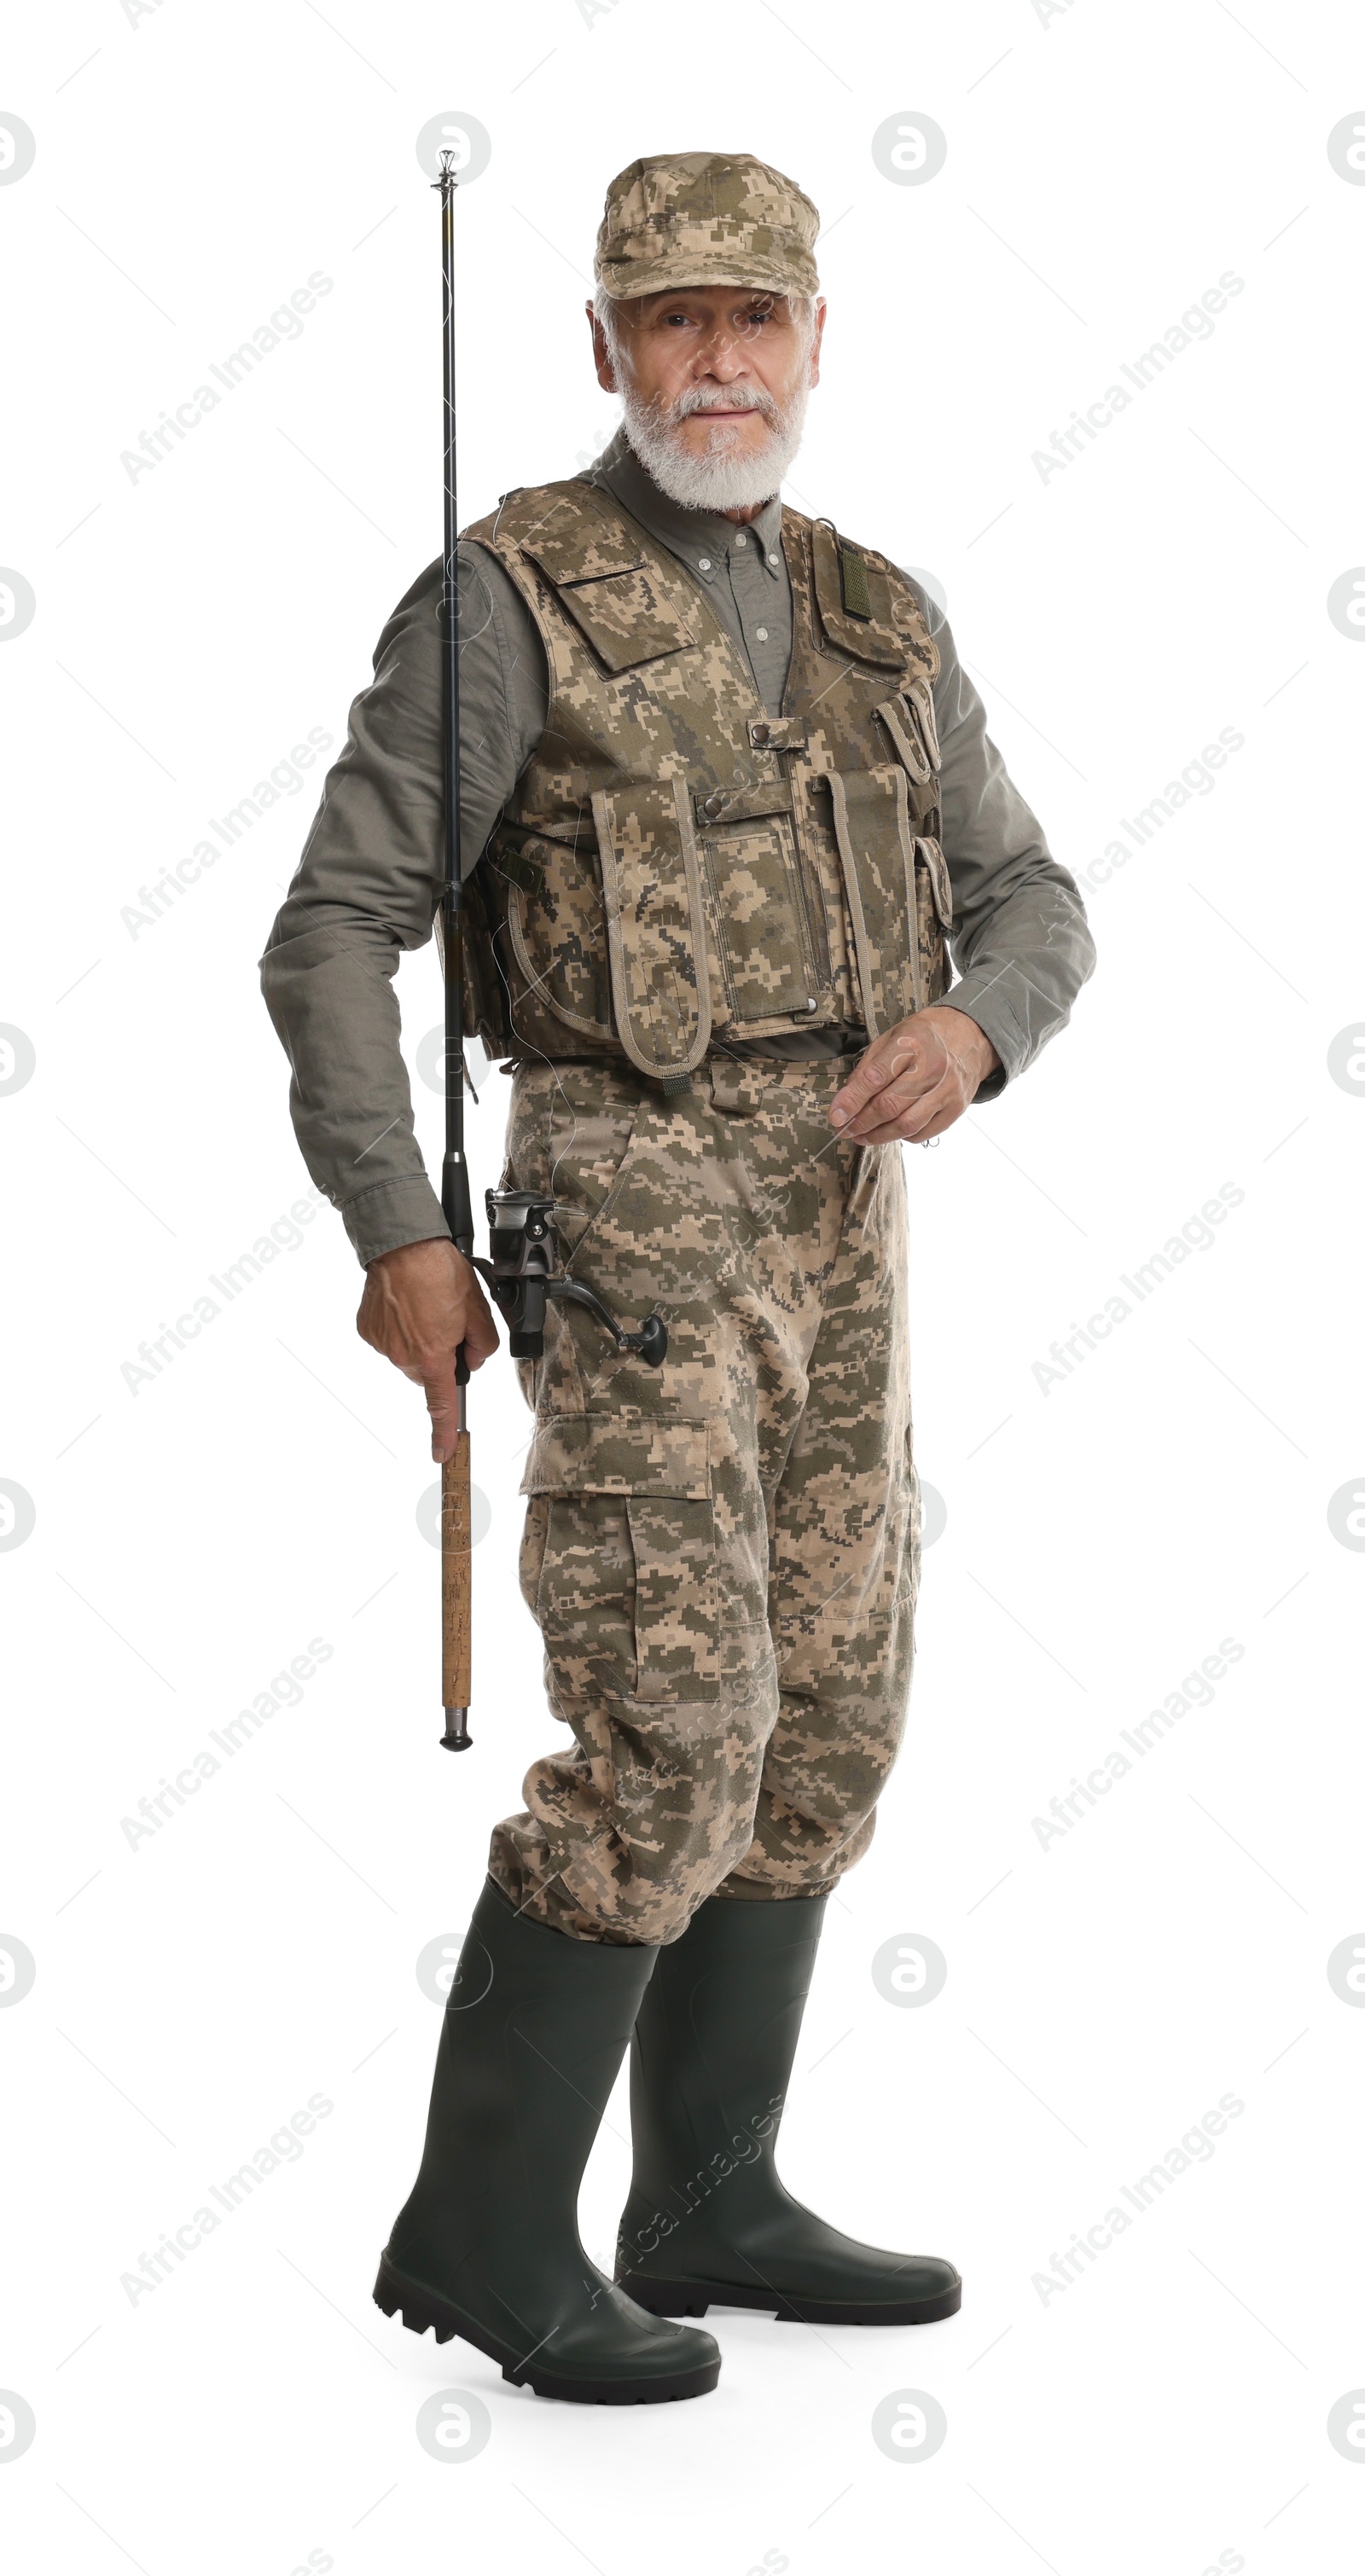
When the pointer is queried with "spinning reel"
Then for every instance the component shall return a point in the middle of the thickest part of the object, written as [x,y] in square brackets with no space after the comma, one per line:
[522,1279]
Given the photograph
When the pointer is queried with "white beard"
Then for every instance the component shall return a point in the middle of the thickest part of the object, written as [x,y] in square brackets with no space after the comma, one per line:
[720,479]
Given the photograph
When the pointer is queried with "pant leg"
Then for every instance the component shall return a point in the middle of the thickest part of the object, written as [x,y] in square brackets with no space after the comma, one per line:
[845,1563]
[646,1559]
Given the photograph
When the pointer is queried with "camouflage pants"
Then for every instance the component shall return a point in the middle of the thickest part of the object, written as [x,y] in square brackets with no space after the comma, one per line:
[722,1555]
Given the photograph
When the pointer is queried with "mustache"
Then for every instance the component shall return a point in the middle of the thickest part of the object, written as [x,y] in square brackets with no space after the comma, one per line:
[699,398]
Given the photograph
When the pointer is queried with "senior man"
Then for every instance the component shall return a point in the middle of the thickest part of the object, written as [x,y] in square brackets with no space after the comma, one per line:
[728,809]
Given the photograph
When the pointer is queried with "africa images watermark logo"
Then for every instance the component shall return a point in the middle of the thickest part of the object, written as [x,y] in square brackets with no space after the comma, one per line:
[284,1236]
[285,1690]
[1195,323]
[1134,831]
[285,323]
[154,901]
[1142,1281]
[1195,2147]
[1196,1691]
[284,2147]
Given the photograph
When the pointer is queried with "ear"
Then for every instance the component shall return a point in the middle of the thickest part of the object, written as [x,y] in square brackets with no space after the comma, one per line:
[819,336]
[601,354]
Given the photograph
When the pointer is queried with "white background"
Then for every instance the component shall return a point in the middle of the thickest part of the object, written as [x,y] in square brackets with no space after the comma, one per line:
[1105,166]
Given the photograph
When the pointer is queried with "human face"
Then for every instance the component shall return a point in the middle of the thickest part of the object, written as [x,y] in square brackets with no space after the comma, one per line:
[714,380]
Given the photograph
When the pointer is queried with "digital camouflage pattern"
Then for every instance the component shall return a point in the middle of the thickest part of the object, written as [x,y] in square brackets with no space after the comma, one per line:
[722,1555]
[706,219]
[677,866]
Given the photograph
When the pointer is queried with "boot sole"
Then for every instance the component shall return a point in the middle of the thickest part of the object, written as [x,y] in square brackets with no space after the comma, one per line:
[420,2309]
[693,2298]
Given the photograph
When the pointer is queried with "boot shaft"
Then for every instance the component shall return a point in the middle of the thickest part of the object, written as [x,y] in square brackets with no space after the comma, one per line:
[532,2038]
[712,2050]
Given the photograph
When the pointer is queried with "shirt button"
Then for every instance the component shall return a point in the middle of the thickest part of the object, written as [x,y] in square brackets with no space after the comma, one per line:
[703,563]
[762,633]
[741,539]
[772,559]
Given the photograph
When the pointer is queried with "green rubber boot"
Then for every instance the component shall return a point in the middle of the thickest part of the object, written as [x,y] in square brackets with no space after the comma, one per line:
[707,2218]
[487,2244]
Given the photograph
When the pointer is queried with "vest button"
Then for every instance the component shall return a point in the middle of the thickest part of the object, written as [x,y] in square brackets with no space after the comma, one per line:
[714,805]
[760,734]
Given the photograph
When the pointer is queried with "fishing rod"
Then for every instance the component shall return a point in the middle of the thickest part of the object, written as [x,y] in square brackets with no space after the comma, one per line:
[456,1540]
[520,1275]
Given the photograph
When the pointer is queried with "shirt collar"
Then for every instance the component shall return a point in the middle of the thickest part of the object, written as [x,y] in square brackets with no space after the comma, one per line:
[701,537]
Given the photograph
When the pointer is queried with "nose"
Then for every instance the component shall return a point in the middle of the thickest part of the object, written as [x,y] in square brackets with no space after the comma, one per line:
[721,355]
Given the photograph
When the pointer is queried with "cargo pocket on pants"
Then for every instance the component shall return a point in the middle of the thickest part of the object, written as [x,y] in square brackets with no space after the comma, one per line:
[627,1598]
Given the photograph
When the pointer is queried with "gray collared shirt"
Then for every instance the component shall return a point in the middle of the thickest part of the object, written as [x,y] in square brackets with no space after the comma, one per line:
[368,882]
[742,570]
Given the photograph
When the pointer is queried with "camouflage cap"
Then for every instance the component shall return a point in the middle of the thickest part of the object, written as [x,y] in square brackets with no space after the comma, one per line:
[706,219]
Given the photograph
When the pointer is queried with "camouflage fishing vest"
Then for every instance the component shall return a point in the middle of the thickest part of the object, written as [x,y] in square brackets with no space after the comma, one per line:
[677,867]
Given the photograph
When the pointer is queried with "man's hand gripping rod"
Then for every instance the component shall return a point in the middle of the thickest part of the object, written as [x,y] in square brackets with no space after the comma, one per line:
[519,1273]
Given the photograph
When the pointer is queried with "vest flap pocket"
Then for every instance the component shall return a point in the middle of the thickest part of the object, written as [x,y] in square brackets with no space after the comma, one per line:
[656,925]
[552,898]
[876,851]
[930,857]
[921,697]
[873,638]
[908,740]
[581,543]
[624,614]
[620,1453]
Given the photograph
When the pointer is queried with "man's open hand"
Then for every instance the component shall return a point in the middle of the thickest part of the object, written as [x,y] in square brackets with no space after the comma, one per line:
[915,1079]
[420,1303]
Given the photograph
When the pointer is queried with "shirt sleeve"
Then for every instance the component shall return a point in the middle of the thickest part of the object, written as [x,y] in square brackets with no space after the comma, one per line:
[369,881]
[1020,940]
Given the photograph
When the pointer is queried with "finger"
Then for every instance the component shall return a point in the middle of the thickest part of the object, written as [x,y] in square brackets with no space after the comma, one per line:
[862,1085]
[480,1333]
[899,1055]
[870,1071]
[903,1104]
[897,1134]
[915,1129]
[442,1397]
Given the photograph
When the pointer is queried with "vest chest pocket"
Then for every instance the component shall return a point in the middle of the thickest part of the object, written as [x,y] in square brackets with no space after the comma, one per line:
[656,925]
[762,917]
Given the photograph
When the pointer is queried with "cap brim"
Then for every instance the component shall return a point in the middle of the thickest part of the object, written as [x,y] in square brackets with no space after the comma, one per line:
[623,280]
